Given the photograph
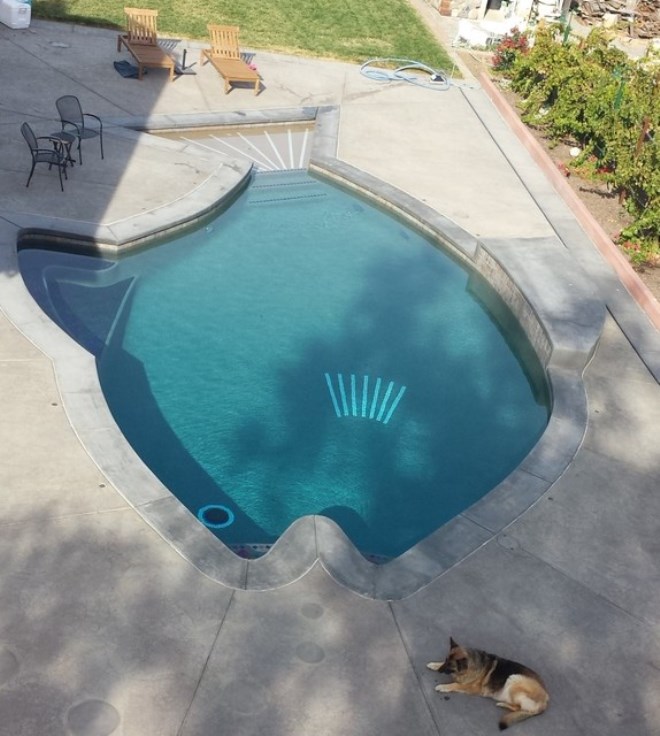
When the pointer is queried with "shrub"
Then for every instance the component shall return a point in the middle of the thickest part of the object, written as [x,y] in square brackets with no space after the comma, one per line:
[509,49]
[593,94]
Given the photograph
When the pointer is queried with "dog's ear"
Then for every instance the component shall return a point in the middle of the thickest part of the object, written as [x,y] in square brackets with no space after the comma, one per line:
[452,643]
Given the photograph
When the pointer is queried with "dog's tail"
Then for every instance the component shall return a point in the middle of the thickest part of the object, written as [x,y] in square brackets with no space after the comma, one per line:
[515,716]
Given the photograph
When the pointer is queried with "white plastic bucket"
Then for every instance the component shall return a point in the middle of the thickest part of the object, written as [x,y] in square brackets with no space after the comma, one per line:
[15,14]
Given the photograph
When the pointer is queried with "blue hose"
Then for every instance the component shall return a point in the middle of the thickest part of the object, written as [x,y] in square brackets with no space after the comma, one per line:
[431,79]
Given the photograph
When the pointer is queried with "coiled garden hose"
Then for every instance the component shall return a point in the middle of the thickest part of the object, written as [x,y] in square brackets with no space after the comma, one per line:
[430,78]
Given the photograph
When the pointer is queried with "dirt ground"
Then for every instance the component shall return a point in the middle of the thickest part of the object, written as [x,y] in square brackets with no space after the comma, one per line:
[603,204]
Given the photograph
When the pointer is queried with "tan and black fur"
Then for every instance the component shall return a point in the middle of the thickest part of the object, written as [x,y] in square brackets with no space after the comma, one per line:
[475,672]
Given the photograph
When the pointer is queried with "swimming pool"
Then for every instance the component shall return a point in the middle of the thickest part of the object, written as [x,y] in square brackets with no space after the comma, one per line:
[305,353]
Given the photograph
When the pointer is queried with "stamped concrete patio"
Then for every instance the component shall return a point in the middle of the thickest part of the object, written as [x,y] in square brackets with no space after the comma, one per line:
[107,628]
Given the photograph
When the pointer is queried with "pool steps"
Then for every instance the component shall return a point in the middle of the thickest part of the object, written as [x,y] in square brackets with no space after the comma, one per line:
[274,189]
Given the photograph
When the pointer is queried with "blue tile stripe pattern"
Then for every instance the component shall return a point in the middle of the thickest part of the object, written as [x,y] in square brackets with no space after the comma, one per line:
[350,400]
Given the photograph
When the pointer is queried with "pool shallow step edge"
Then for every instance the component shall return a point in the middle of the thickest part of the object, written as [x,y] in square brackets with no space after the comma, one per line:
[273,187]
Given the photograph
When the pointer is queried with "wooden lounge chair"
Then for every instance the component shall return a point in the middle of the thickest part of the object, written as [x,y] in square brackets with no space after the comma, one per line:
[225,56]
[141,41]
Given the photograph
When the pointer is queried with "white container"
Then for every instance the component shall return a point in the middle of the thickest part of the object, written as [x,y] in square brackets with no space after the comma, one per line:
[15,14]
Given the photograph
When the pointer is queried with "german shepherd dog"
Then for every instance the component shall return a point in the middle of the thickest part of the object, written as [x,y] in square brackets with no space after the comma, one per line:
[515,687]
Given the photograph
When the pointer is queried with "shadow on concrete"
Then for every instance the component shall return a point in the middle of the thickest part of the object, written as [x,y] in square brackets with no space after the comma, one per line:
[127,643]
[62,59]
[564,631]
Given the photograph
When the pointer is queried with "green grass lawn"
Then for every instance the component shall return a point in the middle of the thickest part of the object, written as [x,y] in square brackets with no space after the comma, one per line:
[353,30]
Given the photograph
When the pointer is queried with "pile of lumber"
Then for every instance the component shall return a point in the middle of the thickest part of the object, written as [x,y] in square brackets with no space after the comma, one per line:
[642,16]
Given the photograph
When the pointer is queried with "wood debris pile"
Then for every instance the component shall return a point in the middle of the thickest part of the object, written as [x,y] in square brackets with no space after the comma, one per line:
[642,16]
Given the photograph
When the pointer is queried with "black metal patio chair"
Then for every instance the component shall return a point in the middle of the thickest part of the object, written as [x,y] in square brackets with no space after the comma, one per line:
[73,121]
[55,156]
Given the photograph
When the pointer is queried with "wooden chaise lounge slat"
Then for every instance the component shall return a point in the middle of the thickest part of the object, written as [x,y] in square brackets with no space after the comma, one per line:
[225,56]
[141,41]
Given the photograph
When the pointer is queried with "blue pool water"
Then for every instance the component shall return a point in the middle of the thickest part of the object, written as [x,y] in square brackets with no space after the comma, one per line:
[305,353]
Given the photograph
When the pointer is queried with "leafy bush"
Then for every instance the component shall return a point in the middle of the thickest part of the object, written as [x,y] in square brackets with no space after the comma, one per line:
[593,94]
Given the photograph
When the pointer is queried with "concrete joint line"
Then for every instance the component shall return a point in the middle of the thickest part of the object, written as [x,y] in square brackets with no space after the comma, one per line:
[206,664]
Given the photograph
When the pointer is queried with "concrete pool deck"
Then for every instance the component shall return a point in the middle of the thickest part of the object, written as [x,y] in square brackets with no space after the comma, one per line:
[105,628]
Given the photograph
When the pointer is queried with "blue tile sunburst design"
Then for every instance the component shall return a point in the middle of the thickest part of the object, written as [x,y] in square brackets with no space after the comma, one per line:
[353,401]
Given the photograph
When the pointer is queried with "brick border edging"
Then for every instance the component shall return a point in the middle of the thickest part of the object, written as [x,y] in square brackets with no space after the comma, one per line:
[610,252]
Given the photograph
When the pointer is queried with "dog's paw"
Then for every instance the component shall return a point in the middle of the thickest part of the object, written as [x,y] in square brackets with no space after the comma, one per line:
[435,666]
[441,689]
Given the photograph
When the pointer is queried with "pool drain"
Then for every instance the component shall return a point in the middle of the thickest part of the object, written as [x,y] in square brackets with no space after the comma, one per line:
[216,516]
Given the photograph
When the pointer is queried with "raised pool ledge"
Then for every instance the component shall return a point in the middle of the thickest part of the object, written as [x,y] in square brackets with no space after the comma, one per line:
[545,288]
[219,179]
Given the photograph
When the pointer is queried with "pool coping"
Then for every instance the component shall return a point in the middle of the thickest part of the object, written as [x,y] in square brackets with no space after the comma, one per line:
[529,274]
